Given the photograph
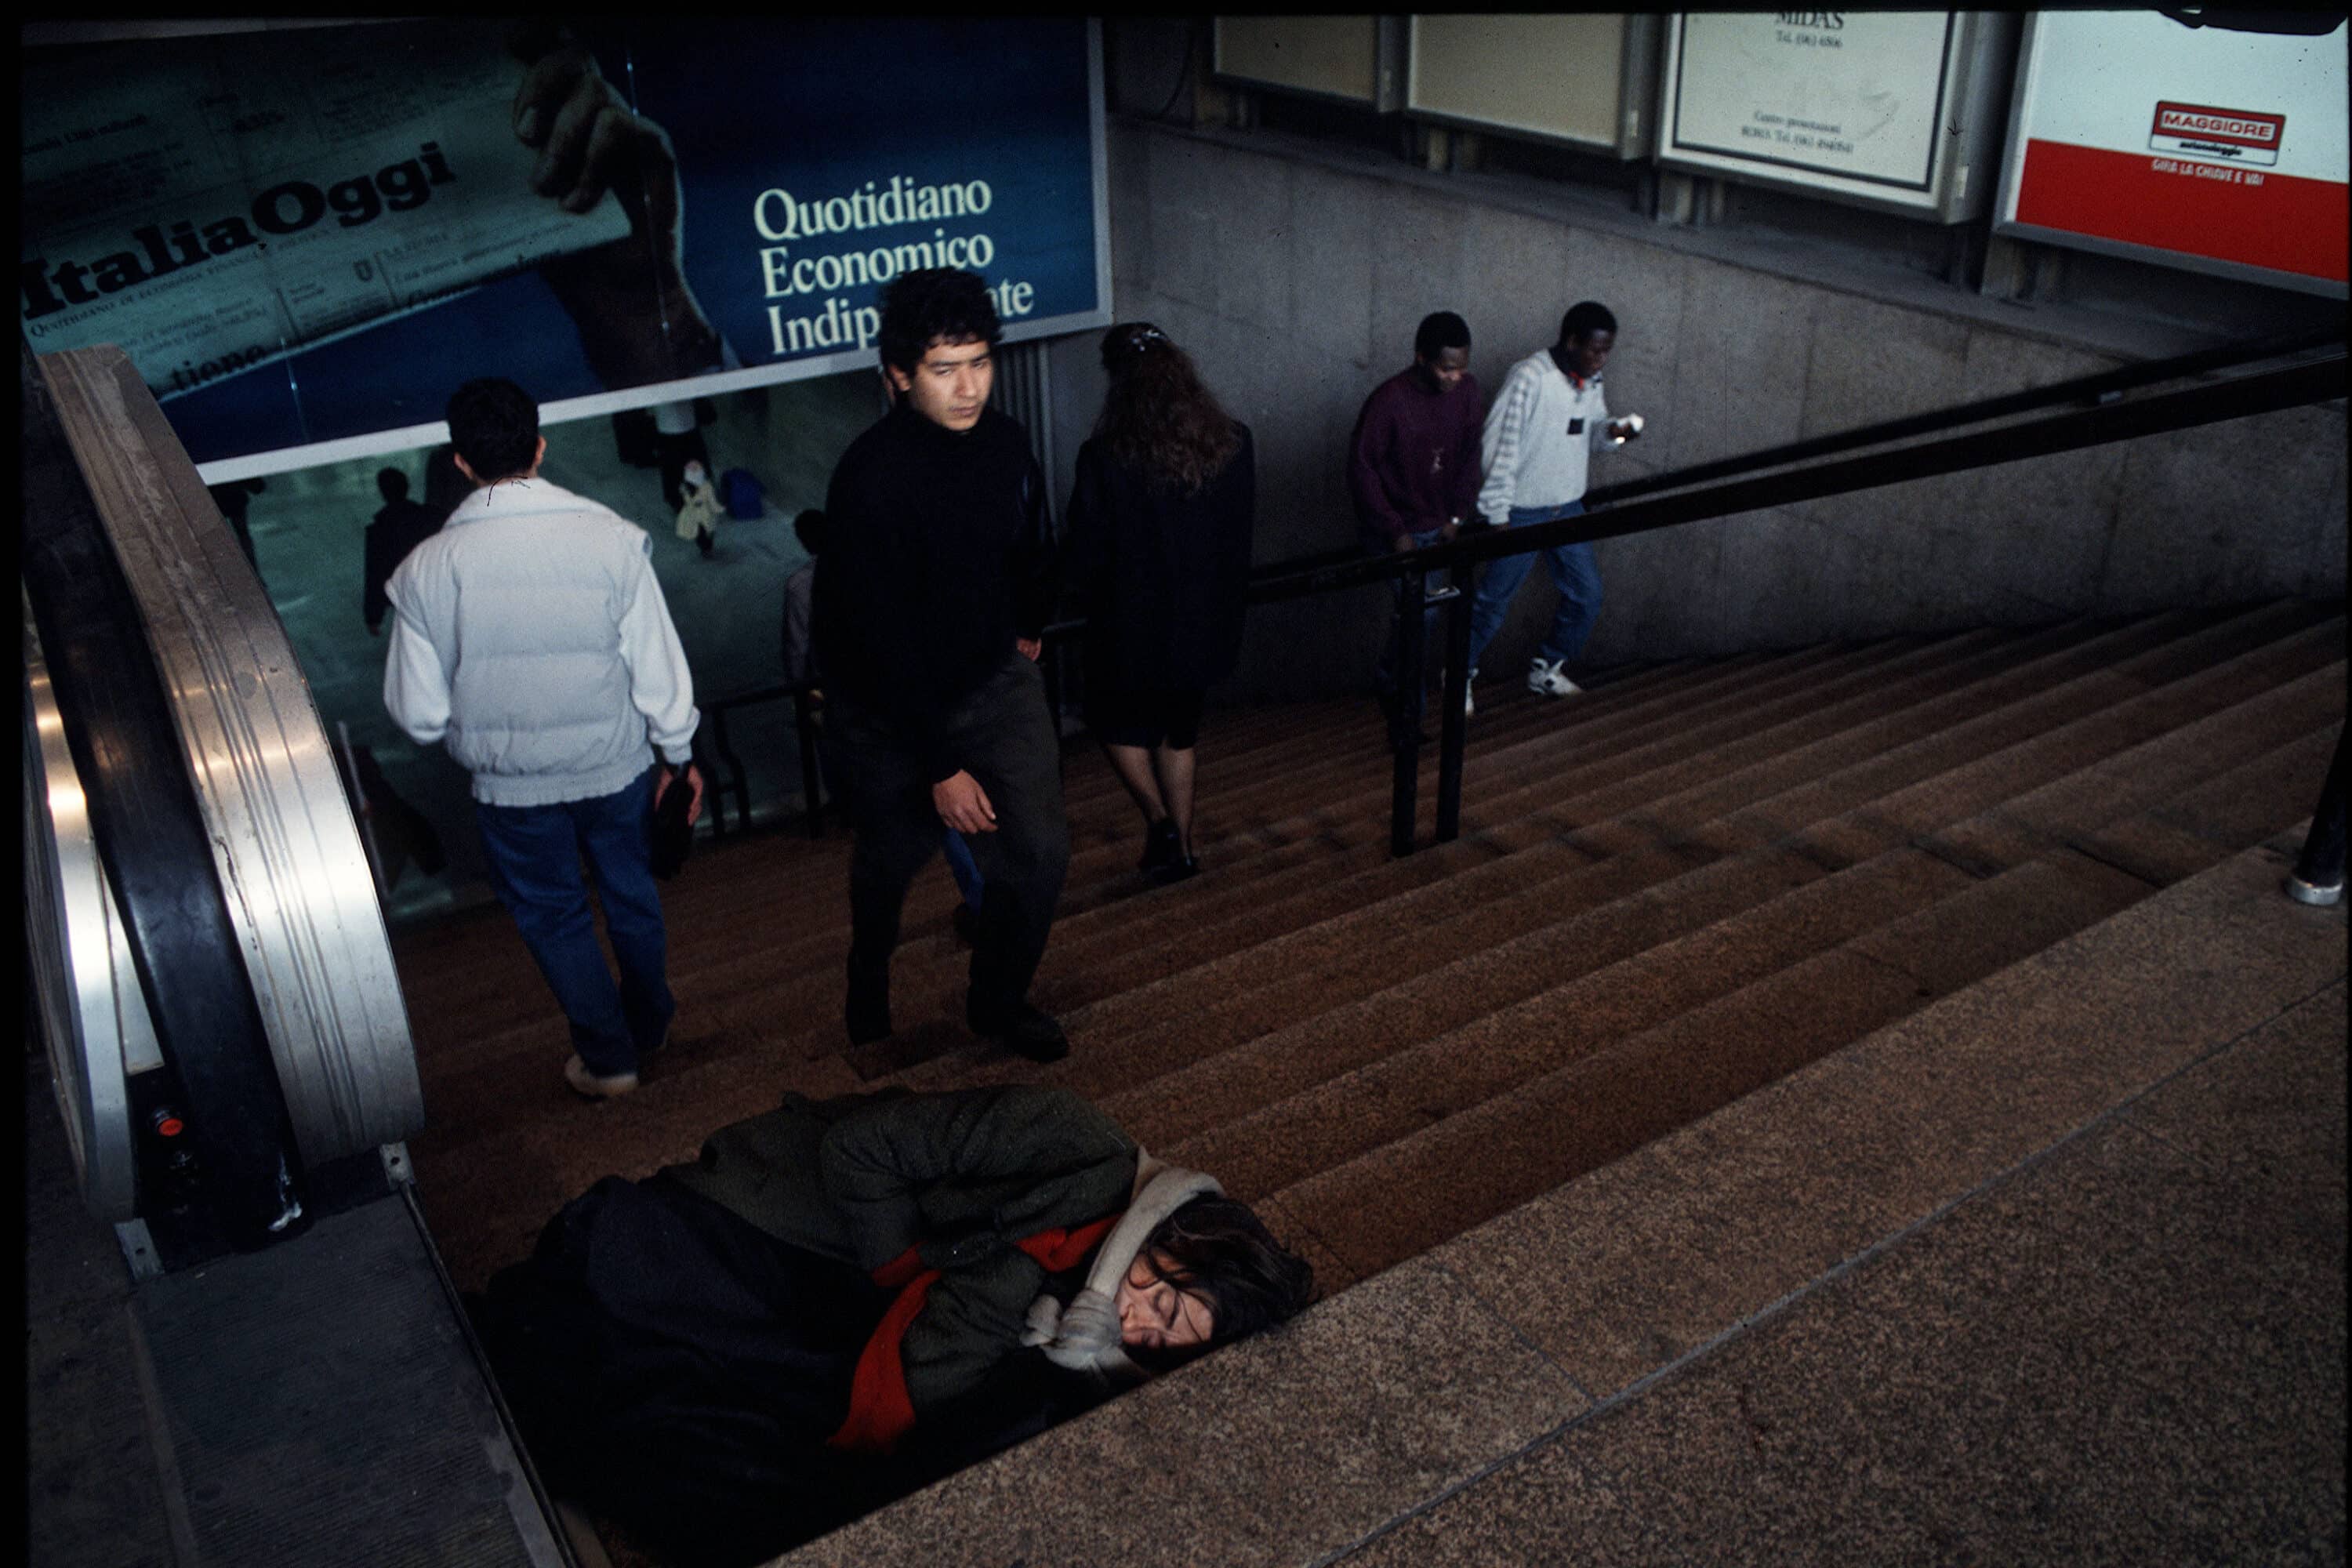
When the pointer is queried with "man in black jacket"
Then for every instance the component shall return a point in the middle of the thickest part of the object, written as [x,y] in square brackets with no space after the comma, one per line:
[400,526]
[932,597]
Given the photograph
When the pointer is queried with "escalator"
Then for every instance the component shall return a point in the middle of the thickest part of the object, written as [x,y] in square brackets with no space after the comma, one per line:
[225,1033]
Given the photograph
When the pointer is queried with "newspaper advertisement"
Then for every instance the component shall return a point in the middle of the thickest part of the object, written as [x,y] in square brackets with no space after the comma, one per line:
[241,197]
[612,212]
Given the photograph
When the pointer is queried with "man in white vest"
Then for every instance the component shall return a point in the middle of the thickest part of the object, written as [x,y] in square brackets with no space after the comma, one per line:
[531,639]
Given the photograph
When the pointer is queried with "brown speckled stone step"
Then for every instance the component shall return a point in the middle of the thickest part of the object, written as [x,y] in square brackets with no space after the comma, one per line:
[2205,826]
[1722,1348]
[1640,816]
[1248,992]
[1410,1193]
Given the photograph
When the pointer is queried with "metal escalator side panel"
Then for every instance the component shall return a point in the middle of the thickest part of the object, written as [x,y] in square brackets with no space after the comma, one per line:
[290,861]
[69,936]
[154,848]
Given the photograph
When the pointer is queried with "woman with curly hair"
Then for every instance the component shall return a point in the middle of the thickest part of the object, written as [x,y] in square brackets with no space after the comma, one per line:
[1159,525]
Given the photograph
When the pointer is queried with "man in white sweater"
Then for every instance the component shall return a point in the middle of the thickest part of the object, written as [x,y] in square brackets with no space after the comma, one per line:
[1547,420]
[531,638]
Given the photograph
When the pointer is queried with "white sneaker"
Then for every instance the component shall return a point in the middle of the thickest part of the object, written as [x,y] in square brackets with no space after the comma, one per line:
[592,1086]
[1469,703]
[1546,678]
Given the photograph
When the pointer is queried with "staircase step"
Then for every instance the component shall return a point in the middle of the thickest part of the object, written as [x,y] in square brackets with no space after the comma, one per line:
[1312,1002]
[2205,826]
[1155,1007]
[1320,977]
[1474,1406]
[929,905]
[1976,765]
[1267,916]
[2059,677]
[1408,1089]
[1405,1198]
[1206,1089]
[1299,972]
[2125,783]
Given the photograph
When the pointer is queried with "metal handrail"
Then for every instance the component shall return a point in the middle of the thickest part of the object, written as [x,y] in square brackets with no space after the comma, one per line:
[2260,392]
[2101,386]
[2104,385]
[737,779]
[1612,512]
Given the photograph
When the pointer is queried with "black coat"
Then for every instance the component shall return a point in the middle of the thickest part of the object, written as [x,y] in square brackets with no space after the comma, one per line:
[400,527]
[1160,574]
[676,1369]
[936,557]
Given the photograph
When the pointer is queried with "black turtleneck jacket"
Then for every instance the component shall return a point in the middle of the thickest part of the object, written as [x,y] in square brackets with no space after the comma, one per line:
[937,556]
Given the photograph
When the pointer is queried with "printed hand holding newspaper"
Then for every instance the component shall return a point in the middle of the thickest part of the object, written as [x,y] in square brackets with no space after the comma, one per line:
[244,195]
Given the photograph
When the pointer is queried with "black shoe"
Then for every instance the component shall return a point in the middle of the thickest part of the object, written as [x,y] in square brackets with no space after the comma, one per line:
[1025,1031]
[1160,847]
[1177,870]
[966,920]
[868,1012]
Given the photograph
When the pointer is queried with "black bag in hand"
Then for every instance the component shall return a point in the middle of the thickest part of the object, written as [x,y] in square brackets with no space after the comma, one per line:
[673,834]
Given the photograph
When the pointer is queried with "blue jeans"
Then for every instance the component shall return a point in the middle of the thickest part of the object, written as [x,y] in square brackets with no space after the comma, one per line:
[1573,572]
[961,865]
[1384,679]
[534,853]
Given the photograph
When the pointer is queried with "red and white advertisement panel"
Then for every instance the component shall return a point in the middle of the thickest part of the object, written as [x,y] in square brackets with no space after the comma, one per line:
[2213,147]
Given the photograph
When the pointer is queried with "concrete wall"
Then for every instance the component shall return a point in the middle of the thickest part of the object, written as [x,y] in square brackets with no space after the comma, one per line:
[1296,273]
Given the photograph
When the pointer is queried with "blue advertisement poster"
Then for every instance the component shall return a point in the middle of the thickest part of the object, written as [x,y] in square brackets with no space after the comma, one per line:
[304,238]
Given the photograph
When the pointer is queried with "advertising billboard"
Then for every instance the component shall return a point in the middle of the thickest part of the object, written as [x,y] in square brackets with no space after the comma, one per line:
[2195,142]
[1883,109]
[305,237]
[1584,79]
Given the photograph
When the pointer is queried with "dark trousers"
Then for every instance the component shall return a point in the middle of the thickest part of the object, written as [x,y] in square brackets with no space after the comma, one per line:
[534,854]
[1004,735]
[1384,679]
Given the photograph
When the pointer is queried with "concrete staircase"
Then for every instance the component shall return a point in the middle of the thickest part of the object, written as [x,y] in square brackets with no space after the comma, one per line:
[1670,893]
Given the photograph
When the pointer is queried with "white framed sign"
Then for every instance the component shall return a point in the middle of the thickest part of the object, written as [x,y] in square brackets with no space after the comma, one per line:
[1885,109]
[2204,147]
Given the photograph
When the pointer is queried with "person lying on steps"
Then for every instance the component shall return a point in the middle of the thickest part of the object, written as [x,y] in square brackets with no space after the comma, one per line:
[842,1300]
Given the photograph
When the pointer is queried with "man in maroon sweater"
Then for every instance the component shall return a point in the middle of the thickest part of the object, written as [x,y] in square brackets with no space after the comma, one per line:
[1413,465]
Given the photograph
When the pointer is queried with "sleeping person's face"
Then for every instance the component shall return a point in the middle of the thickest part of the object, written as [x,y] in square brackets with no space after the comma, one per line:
[1154,1314]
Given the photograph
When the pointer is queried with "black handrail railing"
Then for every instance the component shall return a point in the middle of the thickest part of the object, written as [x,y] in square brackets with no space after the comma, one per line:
[2261,392]
[737,779]
[2100,386]
[1612,512]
